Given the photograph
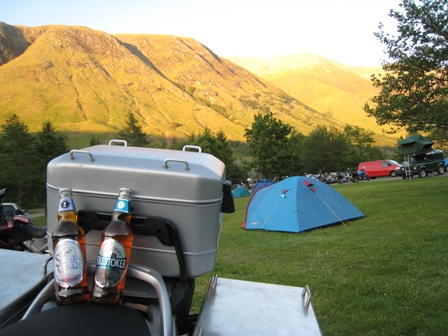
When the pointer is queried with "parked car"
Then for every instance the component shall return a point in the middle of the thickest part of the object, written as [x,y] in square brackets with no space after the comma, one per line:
[380,168]
[13,209]
[422,164]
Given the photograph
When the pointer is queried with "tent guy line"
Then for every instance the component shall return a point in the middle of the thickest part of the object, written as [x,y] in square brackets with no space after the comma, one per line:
[313,189]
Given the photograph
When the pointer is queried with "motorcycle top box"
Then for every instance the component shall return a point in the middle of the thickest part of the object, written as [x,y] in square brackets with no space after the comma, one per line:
[184,191]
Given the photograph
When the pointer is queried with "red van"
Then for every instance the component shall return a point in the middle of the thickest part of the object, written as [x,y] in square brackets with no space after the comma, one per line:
[381,168]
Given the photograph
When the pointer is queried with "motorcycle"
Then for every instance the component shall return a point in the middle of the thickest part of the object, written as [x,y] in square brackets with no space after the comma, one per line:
[342,177]
[331,178]
[354,177]
[19,234]
[349,176]
[362,175]
[321,177]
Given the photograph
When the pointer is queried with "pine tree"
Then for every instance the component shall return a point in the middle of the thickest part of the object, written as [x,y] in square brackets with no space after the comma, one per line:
[49,144]
[20,162]
[132,132]
[94,141]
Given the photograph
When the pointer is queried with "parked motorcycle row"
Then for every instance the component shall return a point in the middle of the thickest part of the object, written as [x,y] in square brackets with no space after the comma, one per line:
[341,177]
[19,234]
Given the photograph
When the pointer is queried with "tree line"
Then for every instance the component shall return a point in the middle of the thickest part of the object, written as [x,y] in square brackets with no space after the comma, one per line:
[274,149]
[278,150]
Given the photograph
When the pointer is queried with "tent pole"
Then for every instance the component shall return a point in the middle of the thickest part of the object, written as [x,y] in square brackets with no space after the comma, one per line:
[334,213]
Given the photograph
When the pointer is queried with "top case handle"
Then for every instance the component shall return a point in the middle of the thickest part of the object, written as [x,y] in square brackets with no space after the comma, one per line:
[165,163]
[73,151]
[124,142]
[184,149]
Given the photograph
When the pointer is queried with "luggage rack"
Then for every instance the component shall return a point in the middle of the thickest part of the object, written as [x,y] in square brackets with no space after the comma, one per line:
[40,311]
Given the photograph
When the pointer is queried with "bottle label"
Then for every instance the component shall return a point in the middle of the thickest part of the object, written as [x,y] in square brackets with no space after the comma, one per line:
[68,263]
[111,263]
[66,204]
[122,205]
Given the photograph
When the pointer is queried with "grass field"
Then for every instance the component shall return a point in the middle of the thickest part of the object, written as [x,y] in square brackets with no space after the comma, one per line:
[385,274]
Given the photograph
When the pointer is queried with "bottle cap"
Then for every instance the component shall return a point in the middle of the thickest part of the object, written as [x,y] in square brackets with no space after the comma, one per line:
[125,192]
[65,192]
[123,203]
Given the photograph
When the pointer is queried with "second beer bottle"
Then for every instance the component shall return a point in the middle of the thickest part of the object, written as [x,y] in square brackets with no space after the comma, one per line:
[113,256]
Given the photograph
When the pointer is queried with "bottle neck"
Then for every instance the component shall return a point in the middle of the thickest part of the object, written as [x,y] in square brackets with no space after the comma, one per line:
[69,215]
[122,216]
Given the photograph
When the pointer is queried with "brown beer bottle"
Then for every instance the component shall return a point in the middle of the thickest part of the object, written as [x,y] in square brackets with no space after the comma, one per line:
[113,256]
[69,252]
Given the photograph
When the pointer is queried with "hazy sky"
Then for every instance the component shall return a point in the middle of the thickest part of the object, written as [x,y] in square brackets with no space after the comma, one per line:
[341,30]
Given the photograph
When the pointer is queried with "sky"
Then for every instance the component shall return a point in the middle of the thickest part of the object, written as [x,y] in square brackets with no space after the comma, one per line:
[341,30]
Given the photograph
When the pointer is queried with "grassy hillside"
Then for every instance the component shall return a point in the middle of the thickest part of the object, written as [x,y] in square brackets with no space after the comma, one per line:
[85,80]
[332,88]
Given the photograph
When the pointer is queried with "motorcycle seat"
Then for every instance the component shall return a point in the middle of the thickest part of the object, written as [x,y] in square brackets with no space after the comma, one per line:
[44,318]
[82,319]
[34,231]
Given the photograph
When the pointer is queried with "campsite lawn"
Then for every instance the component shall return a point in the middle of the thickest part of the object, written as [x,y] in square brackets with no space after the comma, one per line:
[385,274]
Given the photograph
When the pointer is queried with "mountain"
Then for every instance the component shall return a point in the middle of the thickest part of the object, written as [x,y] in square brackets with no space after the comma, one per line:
[337,90]
[84,80]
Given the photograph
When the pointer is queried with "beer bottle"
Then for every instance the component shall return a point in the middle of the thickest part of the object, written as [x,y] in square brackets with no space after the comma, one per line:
[113,256]
[69,252]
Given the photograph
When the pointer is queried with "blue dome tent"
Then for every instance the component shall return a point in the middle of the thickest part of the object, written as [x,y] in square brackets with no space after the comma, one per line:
[262,184]
[298,204]
[240,191]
